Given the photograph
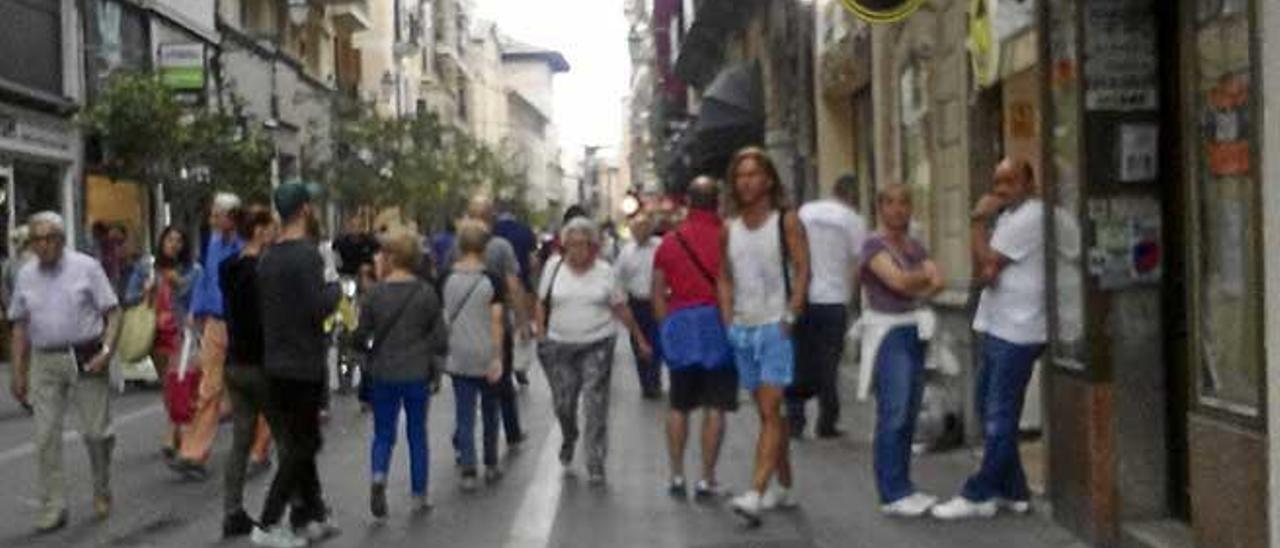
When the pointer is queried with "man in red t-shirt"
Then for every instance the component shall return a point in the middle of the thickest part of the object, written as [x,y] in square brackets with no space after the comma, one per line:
[702,374]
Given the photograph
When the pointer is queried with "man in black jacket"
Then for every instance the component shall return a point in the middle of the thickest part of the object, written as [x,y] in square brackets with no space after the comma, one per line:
[295,302]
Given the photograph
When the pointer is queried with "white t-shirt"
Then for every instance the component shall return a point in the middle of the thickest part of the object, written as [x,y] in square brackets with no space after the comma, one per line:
[581,304]
[1012,307]
[635,268]
[836,233]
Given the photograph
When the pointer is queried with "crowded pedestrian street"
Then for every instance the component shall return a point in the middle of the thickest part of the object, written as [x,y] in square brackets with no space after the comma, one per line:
[534,505]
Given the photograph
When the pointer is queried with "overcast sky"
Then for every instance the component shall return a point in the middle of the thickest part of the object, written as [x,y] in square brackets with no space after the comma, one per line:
[592,35]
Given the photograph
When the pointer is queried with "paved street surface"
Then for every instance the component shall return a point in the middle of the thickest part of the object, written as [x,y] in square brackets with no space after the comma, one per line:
[535,505]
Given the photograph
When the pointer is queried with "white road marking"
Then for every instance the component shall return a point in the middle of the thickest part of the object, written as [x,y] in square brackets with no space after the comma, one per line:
[537,512]
[29,448]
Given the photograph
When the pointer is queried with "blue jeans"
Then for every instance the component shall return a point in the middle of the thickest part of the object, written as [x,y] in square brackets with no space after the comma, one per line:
[387,399]
[1002,381]
[466,390]
[649,370]
[899,387]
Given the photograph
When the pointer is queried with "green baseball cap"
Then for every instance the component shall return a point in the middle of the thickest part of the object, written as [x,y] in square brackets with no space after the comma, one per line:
[290,197]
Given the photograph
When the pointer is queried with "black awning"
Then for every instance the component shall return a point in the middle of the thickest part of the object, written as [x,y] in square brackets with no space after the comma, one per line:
[731,117]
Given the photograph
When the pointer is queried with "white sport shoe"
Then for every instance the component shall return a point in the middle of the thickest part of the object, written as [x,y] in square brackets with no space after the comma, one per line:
[1020,507]
[748,506]
[963,508]
[317,531]
[778,498]
[276,537]
[910,506]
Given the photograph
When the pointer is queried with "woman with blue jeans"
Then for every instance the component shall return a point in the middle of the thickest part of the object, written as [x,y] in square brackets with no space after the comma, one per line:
[897,276]
[474,312]
[401,317]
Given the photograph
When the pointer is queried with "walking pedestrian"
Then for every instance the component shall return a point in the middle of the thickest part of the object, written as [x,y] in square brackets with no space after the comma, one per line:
[401,316]
[635,275]
[207,319]
[475,314]
[295,300]
[685,277]
[580,300]
[525,244]
[246,380]
[1011,331]
[65,322]
[764,279]
[500,258]
[836,233]
[897,276]
[166,281]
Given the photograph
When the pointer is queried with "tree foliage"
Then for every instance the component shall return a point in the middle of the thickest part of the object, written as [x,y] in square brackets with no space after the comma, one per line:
[422,164]
[150,137]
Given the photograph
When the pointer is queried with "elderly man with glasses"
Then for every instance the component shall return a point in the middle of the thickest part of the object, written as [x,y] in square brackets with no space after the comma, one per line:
[66,319]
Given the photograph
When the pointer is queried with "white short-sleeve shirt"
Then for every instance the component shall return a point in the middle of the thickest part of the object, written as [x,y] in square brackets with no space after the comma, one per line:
[1012,307]
[581,304]
[836,233]
[634,267]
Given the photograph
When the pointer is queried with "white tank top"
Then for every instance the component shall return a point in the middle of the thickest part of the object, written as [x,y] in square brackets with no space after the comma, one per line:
[755,257]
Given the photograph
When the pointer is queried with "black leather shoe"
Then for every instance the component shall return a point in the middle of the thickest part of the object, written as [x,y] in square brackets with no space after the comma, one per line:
[830,433]
[238,524]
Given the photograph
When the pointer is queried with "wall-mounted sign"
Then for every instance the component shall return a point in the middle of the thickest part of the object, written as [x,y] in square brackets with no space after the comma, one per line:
[49,136]
[1120,66]
[1127,246]
[1138,152]
[882,11]
[182,66]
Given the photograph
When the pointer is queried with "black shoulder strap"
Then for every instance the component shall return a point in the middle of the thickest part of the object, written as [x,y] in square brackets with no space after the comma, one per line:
[551,287]
[453,316]
[697,263]
[786,250]
[385,331]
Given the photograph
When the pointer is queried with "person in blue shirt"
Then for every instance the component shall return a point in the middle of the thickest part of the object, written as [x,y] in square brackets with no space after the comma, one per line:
[206,318]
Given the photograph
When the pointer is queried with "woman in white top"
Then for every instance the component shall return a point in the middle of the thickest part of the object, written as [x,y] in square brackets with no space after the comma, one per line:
[579,300]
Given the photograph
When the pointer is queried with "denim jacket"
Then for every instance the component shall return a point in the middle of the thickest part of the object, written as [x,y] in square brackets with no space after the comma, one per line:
[142,271]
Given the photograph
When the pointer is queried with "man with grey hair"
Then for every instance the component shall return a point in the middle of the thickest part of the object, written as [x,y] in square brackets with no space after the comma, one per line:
[192,453]
[65,322]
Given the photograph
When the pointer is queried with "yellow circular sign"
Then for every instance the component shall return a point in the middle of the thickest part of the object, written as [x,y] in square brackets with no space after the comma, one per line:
[882,11]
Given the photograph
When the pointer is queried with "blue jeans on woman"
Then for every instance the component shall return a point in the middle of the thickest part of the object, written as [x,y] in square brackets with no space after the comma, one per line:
[899,387]
[388,398]
[466,390]
[1003,375]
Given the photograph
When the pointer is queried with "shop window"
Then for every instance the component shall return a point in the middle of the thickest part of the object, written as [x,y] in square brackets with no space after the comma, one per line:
[1226,259]
[34,28]
[116,38]
[36,187]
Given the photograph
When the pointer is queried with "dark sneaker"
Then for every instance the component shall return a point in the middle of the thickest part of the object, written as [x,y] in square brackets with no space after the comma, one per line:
[238,524]
[566,452]
[522,378]
[515,441]
[676,488]
[190,470]
[257,468]
[469,480]
[492,474]
[830,433]
[378,500]
[708,490]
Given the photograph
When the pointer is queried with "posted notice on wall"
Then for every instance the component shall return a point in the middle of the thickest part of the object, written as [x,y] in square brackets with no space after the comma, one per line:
[1138,152]
[1127,246]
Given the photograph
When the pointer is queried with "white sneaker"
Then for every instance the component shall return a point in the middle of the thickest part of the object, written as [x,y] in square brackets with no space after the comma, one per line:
[962,508]
[420,503]
[276,537]
[317,531]
[748,506]
[910,506]
[1020,507]
[778,497]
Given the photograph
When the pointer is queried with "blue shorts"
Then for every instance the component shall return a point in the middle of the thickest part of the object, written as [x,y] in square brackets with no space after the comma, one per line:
[764,355]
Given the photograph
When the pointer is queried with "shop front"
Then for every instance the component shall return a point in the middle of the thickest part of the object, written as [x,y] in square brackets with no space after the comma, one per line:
[38,155]
[1157,364]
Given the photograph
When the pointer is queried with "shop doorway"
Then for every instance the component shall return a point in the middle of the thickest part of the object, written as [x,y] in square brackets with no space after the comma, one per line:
[6,203]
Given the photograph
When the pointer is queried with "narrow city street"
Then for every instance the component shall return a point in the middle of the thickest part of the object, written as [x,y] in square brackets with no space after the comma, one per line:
[534,505]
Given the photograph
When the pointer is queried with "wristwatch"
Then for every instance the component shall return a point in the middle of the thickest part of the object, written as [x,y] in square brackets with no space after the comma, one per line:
[789,318]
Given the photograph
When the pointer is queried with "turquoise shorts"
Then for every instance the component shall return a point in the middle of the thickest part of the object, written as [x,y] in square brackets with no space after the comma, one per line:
[764,356]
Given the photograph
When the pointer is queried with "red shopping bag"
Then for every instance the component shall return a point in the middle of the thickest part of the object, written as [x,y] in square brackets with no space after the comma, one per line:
[182,383]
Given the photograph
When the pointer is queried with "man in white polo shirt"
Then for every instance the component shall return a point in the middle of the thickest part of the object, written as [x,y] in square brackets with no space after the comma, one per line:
[1011,332]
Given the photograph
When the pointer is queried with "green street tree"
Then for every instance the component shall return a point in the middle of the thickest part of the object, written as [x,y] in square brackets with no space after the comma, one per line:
[149,137]
[421,164]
